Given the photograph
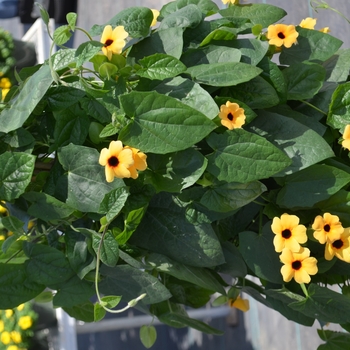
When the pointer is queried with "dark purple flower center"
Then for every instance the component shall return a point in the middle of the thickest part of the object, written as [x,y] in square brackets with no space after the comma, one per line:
[108,42]
[338,244]
[327,228]
[296,265]
[113,161]
[281,35]
[230,117]
[286,233]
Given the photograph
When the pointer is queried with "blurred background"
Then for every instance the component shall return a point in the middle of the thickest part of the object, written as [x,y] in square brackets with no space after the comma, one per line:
[260,328]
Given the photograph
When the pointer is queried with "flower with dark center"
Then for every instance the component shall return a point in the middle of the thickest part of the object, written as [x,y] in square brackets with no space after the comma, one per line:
[298,265]
[116,161]
[113,40]
[327,228]
[232,115]
[282,35]
[339,248]
[288,233]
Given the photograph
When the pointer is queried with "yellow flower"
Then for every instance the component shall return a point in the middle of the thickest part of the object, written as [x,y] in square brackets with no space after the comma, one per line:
[282,34]
[12,347]
[346,137]
[1,325]
[25,322]
[288,233]
[231,115]
[340,247]
[325,30]
[2,237]
[116,160]
[308,23]
[20,307]
[113,40]
[139,162]
[233,2]
[239,303]
[3,210]
[5,83]
[5,337]
[155,16]
[327,228]
[16,337]
[8,313]
[298,265]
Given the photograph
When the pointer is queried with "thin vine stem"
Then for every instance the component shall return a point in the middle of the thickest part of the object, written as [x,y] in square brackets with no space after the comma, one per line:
[314,107]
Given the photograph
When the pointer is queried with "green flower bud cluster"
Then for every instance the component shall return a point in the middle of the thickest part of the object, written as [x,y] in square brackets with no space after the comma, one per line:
[7,61]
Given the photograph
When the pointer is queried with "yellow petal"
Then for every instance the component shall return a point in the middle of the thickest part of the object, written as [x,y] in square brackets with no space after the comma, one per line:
[104,155]
[301,276]
[287,273]
[109,172]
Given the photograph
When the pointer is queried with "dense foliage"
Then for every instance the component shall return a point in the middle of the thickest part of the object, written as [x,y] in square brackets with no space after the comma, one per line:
[212,135]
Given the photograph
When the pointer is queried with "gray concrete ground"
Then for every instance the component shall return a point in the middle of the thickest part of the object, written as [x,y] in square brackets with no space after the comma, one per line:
[260,328]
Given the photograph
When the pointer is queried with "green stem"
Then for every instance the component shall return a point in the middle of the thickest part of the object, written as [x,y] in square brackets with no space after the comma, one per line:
[85,32]
[303,287]
[131,303]
[314,107]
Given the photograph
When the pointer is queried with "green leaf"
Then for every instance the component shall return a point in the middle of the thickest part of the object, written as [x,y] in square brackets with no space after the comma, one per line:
[63,58]
[262,14]
[303,80]
[109,251]
[226,197]
[309,186]
[281,298]
[61,35]
[33,91]
[210,54]
[183,320]
[189,93]
[83,312]
[46,265]
[71,20]
[99,312]
[108,70]
[223,74]
[312,45]
[174,172]
[111,301]
[16,287]
[196,275]
[338,66]
[130,282]
[186,17]
[303,146]
[72,125]
[46,207]
[62,97]
[12,224]
[136,21]
[86,51]
[240,156]
[16,171]
[206,6]
[148,336]
[19,138]
[161,124]
[339,109]
[234,264]
[85,184]
[325,305]
[257,93]
[95,109]
[334,340]
[160,66]
[173,236]
[259,254]
[113,203]
[72,293]
[168,41]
